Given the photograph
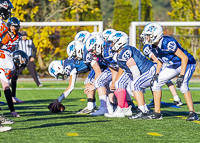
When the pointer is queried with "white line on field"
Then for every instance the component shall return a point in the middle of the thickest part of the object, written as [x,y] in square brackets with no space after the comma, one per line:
[81,88]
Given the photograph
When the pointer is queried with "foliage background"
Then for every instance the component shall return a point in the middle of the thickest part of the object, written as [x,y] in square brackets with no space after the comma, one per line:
[51,42]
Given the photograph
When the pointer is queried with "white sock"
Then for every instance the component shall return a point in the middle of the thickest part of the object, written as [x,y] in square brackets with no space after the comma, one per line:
[108,101]
[142,108]
[102,99]
[90,105]
[176,98]
[146,108]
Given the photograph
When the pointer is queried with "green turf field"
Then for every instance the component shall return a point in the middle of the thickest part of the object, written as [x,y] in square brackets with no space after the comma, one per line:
[38,125]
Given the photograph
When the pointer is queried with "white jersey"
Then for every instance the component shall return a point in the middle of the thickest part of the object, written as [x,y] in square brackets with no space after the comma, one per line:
[7,66]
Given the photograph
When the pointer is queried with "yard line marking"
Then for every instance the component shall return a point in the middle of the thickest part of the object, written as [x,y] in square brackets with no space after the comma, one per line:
[72,134]
[82,99]
[59,88]
[154,134]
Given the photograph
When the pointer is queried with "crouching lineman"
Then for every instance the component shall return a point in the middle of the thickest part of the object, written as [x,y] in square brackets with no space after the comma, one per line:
[178,61]
[72,66]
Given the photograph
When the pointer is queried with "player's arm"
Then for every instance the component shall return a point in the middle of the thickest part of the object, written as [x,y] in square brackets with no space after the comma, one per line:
[97,70]
[69,89]
[119,73]
[114,78]
[133,68]
[184,60]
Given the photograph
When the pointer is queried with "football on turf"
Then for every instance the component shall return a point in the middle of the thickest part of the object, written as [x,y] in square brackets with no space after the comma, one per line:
[62,108]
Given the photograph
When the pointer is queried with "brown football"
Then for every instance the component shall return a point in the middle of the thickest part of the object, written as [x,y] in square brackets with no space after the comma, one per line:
[62,108]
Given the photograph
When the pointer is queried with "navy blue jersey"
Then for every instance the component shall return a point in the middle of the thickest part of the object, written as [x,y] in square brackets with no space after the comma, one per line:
[147,50]
[166,52]
[70,64]
[107,57]
[131,52]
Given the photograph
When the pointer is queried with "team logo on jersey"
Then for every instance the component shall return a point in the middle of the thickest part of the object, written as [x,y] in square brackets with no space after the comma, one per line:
[171,45]
[92,41]
[118,35]
[4,5]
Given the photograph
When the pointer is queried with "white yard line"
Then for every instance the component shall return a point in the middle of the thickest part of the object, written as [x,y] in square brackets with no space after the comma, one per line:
[81,88]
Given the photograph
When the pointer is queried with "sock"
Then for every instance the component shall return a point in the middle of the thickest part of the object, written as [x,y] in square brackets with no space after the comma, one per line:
[142,108]
[90,103]
[121,96]
[108,101]
[102,99]
[176,98]
[146,108]
[8,95]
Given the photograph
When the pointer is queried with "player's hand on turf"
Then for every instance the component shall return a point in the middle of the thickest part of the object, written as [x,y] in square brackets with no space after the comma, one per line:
[89,88]
[14,114]
[155,78]
[55,105]
[179,81]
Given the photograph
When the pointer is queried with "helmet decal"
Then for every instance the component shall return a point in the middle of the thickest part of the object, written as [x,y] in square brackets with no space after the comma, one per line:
[118,35]
[82,35]
[151,28]
[71,48]
[92,41]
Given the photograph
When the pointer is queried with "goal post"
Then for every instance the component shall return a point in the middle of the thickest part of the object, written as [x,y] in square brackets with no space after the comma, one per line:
[96,24]
[133,30]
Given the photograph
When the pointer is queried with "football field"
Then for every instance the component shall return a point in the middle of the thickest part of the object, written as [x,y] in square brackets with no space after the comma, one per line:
[38,125]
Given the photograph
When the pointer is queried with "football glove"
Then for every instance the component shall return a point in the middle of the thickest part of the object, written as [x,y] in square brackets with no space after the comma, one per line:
[155,78]
[179,81]
[56,106]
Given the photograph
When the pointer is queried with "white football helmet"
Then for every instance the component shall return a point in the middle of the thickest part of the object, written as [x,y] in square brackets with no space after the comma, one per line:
[95,42]
[120,40]
[56,69]
[82,36]
[75,49]
[154,32]
[106,33]
[142,38]
[97,33]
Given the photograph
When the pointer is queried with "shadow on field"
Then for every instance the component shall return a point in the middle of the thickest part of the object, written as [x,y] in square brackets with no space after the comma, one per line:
[56,117]
[61,124]
[174,113]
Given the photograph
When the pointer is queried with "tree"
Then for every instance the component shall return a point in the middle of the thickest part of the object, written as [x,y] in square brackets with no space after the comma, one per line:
[48,47]
[187,10]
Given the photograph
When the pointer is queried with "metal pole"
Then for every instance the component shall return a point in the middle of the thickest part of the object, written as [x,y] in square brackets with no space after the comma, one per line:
[139,19]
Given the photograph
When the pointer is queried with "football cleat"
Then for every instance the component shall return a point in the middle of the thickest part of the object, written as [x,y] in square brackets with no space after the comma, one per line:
[16,100]
[128,111]
[178,103]
[100,112]
[4,128]
[192,116]
[4,120]
[154,115]
[139,115]
[119,112]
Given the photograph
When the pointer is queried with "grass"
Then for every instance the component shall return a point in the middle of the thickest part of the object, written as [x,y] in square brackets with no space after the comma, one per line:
[38,125]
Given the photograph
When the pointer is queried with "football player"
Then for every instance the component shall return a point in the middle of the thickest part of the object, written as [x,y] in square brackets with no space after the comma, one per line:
[131,60]
[5,13]
[148,53]
[69,67]
[13,24]
[179,62]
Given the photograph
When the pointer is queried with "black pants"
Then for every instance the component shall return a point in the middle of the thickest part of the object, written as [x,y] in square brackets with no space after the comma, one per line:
[31,68]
